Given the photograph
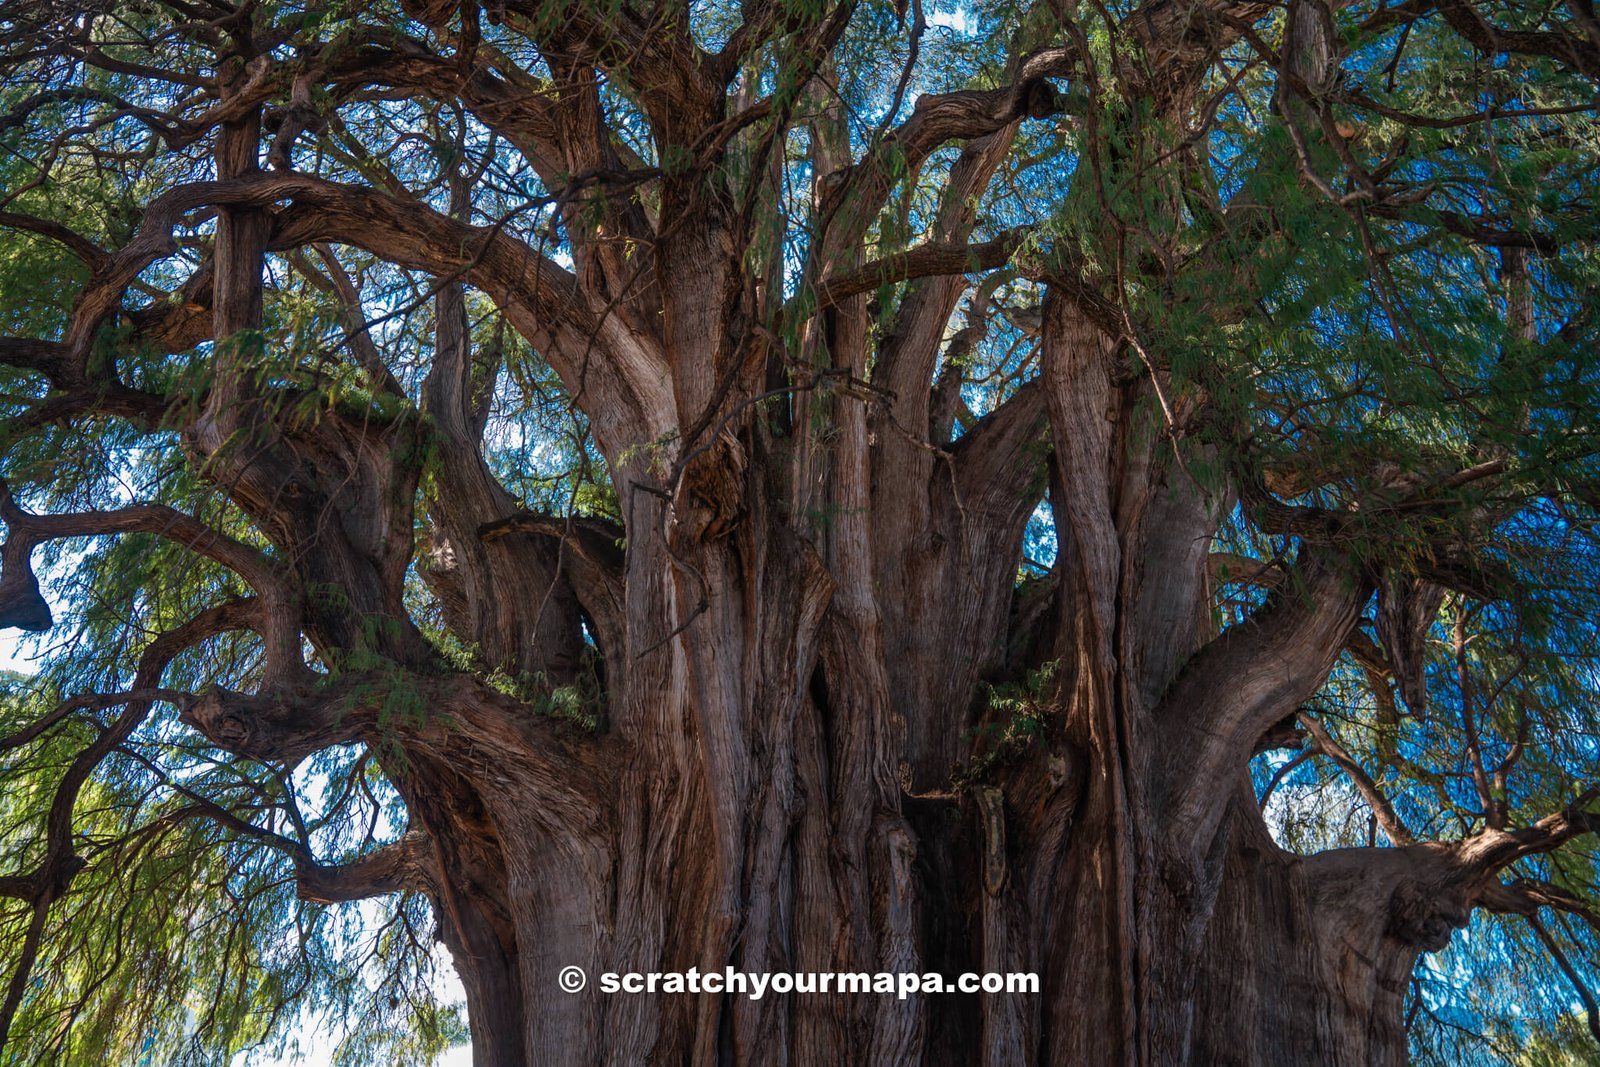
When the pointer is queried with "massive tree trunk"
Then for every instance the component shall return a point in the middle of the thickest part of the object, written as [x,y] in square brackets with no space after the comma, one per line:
[832,730]
[797,769]
[746,808]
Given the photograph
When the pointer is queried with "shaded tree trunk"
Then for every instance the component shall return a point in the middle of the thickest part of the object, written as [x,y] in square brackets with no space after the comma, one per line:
[801,853]
[798,769]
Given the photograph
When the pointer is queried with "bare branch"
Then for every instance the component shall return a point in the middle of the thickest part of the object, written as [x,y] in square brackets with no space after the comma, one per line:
[929,260]
[84,702]
[1494,849]
[249,563]
[1381,808]
[92,256]
[407,864]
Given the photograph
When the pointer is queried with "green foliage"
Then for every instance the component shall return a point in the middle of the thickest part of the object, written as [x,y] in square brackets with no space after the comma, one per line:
[187,945]
[1018,715]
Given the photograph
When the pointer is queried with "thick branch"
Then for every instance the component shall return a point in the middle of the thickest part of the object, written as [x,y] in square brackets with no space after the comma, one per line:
[92,255]
[650,53]
[249,563]
[21,603]
[83,702]
[519,112]
[617,376]
[1577,51]
[1251,677]
[455,717]
[1494,850]
[592,558]
[407,864]
[853,197]
[928,260]
[999,461]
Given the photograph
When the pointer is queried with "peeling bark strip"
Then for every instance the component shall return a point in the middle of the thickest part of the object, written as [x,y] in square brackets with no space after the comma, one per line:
[776,687]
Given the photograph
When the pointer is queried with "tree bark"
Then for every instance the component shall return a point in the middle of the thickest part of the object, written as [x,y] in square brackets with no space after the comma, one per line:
[781,863]
[797,770]
[798,763]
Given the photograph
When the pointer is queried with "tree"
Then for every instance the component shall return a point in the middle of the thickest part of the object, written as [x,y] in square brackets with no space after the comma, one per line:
[1101,491]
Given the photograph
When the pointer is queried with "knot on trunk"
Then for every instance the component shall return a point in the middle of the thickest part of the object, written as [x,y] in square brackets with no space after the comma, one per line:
[1427,914]
[711,494]
[1182,878]
[434,14]
[278,725]
[21,603]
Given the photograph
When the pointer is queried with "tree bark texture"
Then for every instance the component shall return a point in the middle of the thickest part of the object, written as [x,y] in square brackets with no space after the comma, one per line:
[798,769]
